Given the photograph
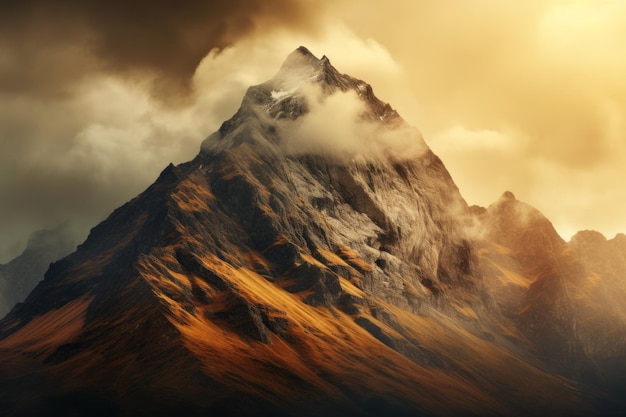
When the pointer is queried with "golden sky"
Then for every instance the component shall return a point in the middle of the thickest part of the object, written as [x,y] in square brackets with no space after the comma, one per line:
[97,97]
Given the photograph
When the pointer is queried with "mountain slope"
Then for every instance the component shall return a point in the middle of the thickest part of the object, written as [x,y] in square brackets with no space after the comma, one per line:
[314,258]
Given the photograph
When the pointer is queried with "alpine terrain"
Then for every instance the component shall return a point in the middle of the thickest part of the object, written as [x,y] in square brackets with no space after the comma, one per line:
[316,258]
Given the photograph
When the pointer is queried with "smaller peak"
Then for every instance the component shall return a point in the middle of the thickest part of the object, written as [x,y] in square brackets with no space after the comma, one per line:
[47,237]
[476,210]
[304,51]
[507,202]
[592,237]
[507,199]
[301,66]
[508,196]
[301,57]
[620,237]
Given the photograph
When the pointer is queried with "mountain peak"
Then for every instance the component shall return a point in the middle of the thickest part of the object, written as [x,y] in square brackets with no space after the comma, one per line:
[301,86]
[592,237]
[301,57]
[302,51]
[507,196]
[302,66]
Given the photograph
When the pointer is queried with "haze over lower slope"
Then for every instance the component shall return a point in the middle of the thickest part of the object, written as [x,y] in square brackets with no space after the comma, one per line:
[527,97]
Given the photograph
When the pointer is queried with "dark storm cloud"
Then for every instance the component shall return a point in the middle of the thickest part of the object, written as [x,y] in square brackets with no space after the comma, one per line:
[90,98]
[46,46]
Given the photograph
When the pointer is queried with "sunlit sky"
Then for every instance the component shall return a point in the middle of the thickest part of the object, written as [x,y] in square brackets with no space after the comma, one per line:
[96,98]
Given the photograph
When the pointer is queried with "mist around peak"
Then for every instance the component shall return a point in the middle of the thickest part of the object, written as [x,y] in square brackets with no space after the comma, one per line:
[314,109]
[338,125]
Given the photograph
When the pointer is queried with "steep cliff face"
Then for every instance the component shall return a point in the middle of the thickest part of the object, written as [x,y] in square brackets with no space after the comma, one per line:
[315,258]
[387,196]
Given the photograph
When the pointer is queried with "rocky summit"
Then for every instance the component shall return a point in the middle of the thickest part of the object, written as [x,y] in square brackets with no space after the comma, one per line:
[316,258]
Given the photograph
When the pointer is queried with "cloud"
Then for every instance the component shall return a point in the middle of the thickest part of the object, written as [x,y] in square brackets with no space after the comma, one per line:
[336,125]
[331,124]
[547,69]
[97,97]
[542,78]
[222,78]
[79,154]
[47,46]
[84,155]
[477,158]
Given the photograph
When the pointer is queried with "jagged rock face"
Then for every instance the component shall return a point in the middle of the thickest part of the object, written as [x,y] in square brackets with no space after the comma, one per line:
[21,275]
[400,215]
[272,277]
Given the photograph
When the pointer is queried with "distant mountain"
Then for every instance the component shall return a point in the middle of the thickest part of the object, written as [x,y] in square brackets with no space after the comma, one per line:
[316,258]
[19,276]
[566,298]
